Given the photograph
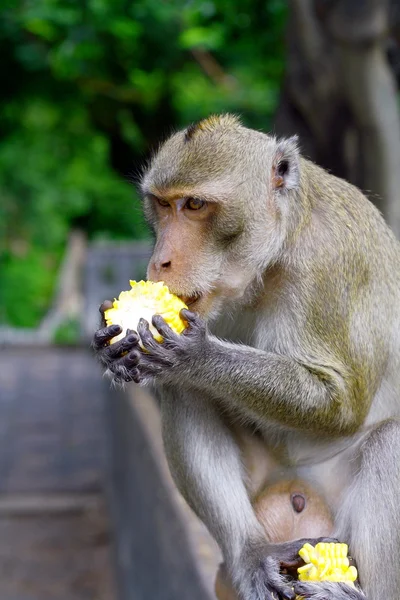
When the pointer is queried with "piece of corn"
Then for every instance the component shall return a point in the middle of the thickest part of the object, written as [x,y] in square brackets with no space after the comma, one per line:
[144,300]
[326,562]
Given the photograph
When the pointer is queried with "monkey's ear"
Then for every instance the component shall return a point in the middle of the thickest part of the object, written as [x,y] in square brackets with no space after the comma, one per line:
[285,167]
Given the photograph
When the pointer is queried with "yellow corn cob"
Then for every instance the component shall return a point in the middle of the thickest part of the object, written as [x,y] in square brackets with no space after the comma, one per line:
[144,300]
[326,562]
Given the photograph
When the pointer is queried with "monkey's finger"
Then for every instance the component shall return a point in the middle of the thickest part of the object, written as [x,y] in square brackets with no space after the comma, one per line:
[287,553]
[292,565]
[130,341]
[139,377]
[125,369]
[136,376]
[148,341]
[288,594]
[129,360]
[103,336]
[188,315]
[121,374]
[163,328]
[106,305]
[193,319]
[102,309]
[146,369]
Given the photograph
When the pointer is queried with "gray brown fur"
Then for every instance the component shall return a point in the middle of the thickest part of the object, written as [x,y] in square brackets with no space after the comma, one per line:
[302,343]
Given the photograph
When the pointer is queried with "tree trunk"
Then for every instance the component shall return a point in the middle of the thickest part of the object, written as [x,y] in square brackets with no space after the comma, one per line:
[340,95]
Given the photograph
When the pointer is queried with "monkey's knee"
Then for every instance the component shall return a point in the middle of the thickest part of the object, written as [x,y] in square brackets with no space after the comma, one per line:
[287,510]
[369,513]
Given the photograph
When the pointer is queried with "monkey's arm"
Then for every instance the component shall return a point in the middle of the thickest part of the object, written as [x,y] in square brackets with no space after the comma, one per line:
[260,384]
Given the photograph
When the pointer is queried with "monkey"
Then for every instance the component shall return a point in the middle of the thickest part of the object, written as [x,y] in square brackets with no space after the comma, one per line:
[292,282]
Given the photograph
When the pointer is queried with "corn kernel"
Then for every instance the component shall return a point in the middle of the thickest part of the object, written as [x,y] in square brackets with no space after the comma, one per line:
[326,562]
[143,300]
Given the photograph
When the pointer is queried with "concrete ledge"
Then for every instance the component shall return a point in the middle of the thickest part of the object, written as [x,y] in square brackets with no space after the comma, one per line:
[22,505]
[163,552]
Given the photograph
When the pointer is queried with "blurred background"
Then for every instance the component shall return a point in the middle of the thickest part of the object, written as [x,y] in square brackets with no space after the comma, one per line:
[88,89]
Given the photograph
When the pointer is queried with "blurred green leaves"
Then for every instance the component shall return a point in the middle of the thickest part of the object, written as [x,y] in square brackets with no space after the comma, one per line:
[88,90]
[27,278]
[210,38]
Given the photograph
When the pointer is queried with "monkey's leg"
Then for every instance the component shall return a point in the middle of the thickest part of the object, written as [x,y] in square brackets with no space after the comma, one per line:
[369,514]
[288,509]
[205,462]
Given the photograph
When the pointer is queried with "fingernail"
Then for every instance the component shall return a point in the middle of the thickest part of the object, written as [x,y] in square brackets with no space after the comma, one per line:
[116,328]
[131,339]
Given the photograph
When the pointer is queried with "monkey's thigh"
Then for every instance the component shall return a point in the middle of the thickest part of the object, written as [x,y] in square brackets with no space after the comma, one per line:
[333,476]
[368,517]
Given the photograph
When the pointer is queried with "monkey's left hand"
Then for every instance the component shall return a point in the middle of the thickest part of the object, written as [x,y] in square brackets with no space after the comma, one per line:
[164,360]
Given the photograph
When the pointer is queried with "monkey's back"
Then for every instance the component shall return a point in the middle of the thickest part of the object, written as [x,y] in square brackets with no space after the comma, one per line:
[348,270]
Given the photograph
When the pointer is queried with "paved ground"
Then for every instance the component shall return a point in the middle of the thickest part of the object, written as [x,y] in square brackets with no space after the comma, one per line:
[54,531]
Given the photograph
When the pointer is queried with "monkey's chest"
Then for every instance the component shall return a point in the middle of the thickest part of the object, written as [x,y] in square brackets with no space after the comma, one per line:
[273,328]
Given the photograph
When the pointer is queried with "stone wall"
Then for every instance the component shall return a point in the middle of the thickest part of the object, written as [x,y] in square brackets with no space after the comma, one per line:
[162,550]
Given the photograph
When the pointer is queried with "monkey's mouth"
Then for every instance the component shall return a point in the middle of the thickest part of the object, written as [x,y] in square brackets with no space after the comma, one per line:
[190,300]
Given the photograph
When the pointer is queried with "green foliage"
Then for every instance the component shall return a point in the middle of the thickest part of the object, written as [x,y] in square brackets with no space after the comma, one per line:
[68,333]
[27,280]
[90,89]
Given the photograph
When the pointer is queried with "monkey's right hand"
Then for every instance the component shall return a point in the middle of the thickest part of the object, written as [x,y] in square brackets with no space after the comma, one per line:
[262,581]
[120,359]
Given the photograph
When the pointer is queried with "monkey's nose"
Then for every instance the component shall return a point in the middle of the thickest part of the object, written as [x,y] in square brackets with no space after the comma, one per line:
[158,269]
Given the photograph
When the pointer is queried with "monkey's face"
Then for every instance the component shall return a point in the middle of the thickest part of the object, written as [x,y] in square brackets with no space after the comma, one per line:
[191,251]
[207,196]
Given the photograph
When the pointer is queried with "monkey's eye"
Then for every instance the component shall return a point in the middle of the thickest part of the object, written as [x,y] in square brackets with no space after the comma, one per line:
[162,202]
[194,204]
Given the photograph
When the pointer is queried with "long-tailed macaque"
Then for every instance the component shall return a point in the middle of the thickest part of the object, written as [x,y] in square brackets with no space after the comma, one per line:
[292,279]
